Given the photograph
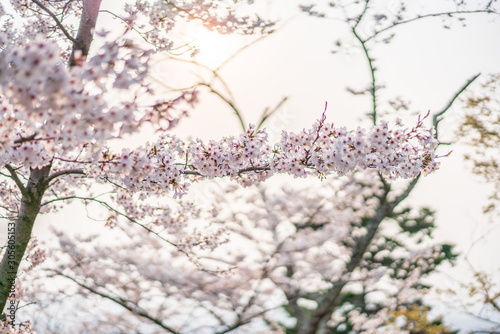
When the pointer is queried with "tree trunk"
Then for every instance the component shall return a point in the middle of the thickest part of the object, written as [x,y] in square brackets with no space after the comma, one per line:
[19,234]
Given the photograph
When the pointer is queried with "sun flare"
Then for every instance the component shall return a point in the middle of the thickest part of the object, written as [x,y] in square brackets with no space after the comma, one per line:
[214,48]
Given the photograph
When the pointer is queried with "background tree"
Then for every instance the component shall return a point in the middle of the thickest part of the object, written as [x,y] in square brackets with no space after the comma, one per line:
[286,250]
[481,127]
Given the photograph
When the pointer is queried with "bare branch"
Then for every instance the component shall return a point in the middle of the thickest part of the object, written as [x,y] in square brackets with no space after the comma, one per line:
[360,17]
[395,24]
[231,57]
[373,90]
[267,113]
[436,117]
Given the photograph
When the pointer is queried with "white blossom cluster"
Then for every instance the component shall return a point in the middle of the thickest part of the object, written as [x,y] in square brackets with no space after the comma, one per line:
[65,116]
[27,20]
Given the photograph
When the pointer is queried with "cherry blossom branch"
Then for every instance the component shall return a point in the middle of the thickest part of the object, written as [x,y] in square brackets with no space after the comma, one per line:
[18,182]
[58,23]
[149,230]
[118,300]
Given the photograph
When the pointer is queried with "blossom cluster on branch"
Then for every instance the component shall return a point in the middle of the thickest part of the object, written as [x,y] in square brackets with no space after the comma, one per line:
[64,114]
[52,112]
[321,150]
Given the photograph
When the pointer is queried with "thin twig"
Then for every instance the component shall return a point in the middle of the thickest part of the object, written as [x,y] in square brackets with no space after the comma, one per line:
[360,17]
[110,208]
[229,103]
[267,113]
[255,41]
[489,11]
[128,24]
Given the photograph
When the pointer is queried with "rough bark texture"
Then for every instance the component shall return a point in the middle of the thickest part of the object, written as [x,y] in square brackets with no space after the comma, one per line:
[14,253]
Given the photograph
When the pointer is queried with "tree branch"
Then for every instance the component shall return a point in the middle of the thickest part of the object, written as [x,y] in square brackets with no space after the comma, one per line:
[18,182]
[21,234]
[58,23]
[360,17]
[267,113]
[436,117]
[120,301]
[373,90]
[110,208]
[64,172]
[228,102]
[489,11]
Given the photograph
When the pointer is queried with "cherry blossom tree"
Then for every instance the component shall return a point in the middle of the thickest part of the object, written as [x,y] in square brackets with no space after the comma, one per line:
[62,102]
[328,264]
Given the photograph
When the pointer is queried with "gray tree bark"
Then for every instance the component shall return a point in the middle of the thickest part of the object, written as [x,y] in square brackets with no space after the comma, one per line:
[19,232]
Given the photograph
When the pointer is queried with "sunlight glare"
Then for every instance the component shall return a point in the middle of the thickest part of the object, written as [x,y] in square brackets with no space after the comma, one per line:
[214,48]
